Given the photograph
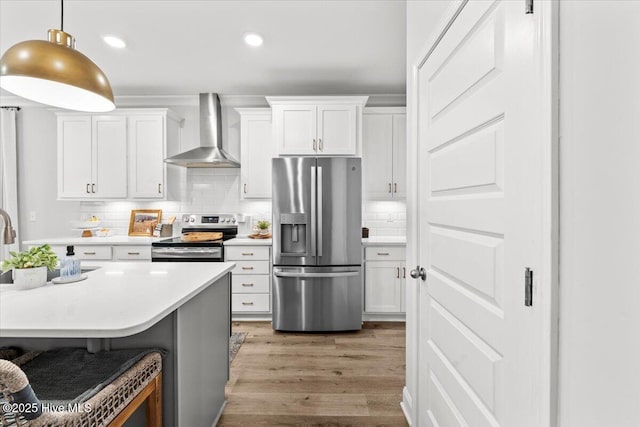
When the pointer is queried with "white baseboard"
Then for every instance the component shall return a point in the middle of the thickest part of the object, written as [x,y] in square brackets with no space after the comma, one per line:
[215,422]
[407,405]
[367,317]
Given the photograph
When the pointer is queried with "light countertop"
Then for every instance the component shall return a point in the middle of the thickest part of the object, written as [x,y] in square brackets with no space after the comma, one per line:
[243,240]
[111,240]
[385,241]
[116,300]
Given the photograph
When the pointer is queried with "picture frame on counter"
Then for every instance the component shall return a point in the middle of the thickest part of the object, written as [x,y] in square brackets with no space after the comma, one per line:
[143,221]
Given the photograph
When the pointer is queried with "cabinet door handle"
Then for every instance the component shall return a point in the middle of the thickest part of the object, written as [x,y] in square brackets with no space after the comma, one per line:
[133,253]
[247,253]
[320,145]
[247,285]
[247,268]
[398,275]
[245,188]
[247,303]
[88,192]
[93,188]
[314,145]
[404,272]
[159,188]
[383,253]
[89,253]
[395,187]
[389,187]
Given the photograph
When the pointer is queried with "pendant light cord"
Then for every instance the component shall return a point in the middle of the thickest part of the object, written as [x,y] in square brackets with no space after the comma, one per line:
[61,15]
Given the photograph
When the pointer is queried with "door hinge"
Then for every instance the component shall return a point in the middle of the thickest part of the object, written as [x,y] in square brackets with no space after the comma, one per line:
[528,287]
[528,7]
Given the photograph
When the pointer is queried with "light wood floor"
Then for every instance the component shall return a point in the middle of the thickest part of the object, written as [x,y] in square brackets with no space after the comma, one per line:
[346,379]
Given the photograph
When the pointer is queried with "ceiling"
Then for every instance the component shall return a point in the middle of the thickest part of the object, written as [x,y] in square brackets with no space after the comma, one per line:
[186,47]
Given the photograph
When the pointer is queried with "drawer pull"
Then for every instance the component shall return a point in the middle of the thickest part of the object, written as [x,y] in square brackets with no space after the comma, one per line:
[247,253]
[89,253]
[247,268]
[248,285]
[247,303]
[133,253]
[383,253]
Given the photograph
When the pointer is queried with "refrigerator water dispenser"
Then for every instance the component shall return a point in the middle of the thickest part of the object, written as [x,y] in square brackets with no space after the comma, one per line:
[293,234]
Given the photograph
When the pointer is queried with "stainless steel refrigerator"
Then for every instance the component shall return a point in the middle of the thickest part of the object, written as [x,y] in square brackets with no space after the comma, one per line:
[317,250]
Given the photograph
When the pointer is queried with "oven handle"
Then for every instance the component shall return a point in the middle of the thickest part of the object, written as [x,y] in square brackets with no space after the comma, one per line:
[182,252]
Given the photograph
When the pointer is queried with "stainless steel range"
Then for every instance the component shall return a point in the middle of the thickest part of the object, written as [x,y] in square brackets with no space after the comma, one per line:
[193,245]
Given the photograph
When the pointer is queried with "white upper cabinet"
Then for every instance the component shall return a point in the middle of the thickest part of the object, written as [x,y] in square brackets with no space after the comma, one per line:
[92,157]
[384,152]
[109,137]
[115,156]
[317,126]
[256,152]
[147,151]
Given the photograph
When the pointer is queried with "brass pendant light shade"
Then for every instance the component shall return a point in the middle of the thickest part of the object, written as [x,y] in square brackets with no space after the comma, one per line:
[54,73]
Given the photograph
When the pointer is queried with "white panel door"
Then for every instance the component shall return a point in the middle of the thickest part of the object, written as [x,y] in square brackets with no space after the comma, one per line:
[399,156]
[256,153]
[337,130]
[383,287]
[109,156]
[146,156]
[479,346]
[295,129]
[377,154]
[74,156]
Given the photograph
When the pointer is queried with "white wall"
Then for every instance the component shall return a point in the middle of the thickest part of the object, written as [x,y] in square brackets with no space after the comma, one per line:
[599,382]
[37,177]
[422,19]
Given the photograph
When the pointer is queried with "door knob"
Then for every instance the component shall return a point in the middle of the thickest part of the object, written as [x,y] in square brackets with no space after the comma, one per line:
[419,272]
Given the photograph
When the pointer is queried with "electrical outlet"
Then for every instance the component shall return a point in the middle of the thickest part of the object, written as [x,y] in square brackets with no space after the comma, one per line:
[32,216]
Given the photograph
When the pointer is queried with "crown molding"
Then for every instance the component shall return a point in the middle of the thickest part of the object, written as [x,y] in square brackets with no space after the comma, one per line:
[232,101]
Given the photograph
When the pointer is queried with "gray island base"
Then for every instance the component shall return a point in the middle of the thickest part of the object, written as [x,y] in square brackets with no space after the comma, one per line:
[195,335]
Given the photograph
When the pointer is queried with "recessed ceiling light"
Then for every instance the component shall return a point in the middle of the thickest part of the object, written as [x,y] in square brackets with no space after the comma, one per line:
[253,39]
[114,41]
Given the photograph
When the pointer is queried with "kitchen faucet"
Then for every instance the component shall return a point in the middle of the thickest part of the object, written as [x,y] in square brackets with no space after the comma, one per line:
[9,232]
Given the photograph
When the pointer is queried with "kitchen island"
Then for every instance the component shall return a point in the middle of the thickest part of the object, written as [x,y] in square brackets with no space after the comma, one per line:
[180,307]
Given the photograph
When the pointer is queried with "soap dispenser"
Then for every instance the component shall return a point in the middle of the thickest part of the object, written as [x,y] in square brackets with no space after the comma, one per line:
[69,265]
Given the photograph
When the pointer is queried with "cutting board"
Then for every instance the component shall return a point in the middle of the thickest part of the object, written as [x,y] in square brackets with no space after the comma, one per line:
[200,236]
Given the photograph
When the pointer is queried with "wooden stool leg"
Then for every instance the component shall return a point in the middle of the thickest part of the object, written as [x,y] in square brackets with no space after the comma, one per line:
[154,404]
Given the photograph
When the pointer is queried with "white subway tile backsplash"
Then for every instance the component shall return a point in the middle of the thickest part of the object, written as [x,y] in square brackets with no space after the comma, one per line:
[218,190]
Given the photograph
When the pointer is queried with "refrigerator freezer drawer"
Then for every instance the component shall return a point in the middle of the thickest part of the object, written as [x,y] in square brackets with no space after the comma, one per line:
[317,299]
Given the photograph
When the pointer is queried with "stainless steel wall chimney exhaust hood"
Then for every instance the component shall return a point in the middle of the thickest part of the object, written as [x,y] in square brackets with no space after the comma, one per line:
[210,153]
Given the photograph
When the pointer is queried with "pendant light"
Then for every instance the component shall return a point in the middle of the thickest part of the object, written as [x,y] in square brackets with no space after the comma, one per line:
[54,73]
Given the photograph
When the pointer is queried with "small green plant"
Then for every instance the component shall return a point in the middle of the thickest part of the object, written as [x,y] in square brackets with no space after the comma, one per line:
[263,225]
[37,256]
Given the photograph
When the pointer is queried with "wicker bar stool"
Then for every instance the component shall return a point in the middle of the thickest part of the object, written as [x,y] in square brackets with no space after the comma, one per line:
[60,377]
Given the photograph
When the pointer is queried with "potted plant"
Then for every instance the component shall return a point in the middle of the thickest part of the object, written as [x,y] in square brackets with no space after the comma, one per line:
[30,267]
[263,227]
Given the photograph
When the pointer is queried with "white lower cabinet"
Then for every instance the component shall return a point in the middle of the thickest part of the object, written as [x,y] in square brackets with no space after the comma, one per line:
[131,253]
[251,279]
[107,252]
[385,280]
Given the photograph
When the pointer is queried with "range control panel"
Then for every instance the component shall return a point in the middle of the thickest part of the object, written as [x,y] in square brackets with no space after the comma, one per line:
[211,219]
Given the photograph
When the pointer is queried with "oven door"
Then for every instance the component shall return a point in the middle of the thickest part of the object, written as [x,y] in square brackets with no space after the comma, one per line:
[187,254]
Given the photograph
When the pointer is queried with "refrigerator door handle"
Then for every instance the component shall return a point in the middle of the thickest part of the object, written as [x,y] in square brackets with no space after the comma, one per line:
[313,211]
[316,275]
[320,196]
